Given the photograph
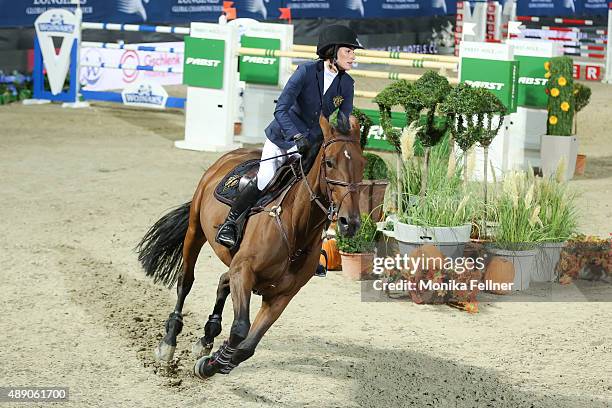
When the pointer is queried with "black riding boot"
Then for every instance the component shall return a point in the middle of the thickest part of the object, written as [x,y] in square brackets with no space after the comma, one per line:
[228,232]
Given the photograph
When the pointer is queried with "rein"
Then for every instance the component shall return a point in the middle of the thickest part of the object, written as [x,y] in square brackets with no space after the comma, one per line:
[330,211]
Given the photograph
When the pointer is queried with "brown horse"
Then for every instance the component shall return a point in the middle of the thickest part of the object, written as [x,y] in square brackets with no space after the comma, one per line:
[278,254]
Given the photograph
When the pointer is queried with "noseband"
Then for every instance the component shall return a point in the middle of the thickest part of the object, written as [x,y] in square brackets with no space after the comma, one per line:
[331,211]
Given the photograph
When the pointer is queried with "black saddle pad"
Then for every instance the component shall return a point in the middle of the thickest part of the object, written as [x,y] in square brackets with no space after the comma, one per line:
[286,176]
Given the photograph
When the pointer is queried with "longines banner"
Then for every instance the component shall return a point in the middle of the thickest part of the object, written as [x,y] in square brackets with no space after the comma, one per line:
[23,12]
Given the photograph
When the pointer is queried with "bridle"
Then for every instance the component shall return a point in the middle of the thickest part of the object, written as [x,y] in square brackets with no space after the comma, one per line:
[331,210]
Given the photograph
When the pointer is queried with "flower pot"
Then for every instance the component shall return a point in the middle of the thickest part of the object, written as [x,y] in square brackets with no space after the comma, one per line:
[499,271]
[357,266]
[559,150]
[524,262]
[546,261]
[484,234]
[371,198]
[580,165]
[450,240]
[237,128]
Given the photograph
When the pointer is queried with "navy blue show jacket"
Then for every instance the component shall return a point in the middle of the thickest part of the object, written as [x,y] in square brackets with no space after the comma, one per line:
[302,102]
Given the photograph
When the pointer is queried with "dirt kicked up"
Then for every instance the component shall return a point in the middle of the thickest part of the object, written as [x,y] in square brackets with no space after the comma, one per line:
[80,188]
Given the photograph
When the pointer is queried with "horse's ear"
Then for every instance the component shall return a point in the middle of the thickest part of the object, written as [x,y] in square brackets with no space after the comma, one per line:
[355,127]
[325,126]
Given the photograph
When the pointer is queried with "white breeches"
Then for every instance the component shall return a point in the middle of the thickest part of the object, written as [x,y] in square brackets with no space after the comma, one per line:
[268,168]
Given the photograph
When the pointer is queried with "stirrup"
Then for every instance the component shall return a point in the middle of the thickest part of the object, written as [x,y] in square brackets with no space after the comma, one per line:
[227,225]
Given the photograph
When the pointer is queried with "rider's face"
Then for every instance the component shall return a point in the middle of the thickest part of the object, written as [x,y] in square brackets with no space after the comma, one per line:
[346,57]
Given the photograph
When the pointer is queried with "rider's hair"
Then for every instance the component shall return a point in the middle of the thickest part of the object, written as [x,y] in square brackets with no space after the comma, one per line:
[329,53]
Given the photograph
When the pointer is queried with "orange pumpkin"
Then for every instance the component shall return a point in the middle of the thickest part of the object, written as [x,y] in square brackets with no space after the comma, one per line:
[334,262]
[499,270]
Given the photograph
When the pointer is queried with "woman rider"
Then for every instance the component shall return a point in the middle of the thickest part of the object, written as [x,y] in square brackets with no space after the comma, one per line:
[310,92]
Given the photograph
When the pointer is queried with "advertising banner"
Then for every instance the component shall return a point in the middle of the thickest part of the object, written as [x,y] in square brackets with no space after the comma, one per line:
[561,8]
[103,79]
[532,57]
[490,66]
[257,69]
[203,65]
[63,25]
[368,8]
[145,95]
[15,13]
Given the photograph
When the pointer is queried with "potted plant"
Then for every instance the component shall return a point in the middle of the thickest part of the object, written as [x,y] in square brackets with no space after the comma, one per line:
[443,216]
[357,252]
[559,147]
[586,257]
[375,175]
[558,216]
[477,115]
[428,92]
[373,187]
[397,93]
[518,214]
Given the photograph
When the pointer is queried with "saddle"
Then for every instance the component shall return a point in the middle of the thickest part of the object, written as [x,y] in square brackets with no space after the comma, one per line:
[230,186]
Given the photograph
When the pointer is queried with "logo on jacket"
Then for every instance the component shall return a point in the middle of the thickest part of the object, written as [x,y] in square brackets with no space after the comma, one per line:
[56,25]
[148,95]
[133,7]
[257,6]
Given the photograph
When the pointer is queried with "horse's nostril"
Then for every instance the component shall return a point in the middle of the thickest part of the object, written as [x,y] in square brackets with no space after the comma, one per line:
[343,221]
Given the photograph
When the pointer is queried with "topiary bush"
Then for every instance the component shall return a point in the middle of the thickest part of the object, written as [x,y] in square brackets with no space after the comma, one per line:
[365,124]
[375,168]
[561,102]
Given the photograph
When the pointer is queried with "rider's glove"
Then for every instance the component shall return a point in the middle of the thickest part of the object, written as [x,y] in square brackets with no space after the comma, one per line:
[302,143]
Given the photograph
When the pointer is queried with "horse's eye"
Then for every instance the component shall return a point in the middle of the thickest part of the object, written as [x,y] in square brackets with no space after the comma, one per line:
[329,164]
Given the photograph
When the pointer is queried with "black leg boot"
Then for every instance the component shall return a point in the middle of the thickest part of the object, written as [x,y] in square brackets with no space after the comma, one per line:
[227,235]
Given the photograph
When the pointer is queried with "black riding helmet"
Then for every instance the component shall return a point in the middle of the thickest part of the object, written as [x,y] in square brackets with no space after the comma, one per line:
[338,36]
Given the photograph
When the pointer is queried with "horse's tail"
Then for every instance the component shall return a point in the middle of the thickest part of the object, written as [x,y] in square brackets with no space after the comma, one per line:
[160,251]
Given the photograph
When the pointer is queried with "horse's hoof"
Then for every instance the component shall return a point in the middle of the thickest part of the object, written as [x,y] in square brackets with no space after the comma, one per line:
[203,370]
[201,350]
[164,352]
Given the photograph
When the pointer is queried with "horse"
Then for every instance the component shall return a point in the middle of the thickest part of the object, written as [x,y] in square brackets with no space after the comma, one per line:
[279,252]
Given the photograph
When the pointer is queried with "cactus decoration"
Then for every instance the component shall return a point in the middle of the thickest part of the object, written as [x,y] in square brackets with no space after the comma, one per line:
[560,87]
